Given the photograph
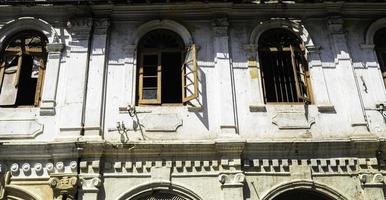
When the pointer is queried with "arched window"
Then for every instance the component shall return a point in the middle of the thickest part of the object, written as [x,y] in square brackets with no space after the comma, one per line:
[284,69]
[380,48]
[23,60]
[299,194]
[162,80]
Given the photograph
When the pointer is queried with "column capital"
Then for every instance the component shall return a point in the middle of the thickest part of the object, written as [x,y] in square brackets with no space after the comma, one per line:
[231,179]
[101,26]
[90,184]
[64,185]
[335,25]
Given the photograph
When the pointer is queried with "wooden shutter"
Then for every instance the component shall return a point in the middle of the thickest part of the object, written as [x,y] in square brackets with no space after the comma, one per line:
[300,74]
[150,79]
[189,75]
[10,79]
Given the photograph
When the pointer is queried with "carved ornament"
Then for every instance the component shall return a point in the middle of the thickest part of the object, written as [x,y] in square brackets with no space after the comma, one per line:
[64,186]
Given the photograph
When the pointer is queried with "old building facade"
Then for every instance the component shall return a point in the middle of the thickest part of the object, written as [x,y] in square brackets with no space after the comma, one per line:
[206,100]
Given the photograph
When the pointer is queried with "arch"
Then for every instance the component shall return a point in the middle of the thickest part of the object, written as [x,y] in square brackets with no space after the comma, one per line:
[162,24]
[373,28]
[303,185]
[27,23]
[19,192]
[159,185]
[295,27]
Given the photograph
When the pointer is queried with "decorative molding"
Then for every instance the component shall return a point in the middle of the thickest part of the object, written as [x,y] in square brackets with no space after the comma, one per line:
[28,23]
[20,128]
[161,24]
[292,120]
[146,166]
[319,167]
[161,122]
[40,169]
[295,26]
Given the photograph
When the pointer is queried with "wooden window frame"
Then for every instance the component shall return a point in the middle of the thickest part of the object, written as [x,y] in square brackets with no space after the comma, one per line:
[184,74]
[40,52]
[299,70]
[157,100]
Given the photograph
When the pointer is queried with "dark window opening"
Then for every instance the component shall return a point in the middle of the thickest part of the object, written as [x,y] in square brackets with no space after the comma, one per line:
[22,69]
[160,60]
[284,69]
[171,80]
[301,195]
[27,83]
[380,48]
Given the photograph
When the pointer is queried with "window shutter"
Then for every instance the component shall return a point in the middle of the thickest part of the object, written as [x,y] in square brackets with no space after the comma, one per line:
[300,74]
[189,75]
[150,79]
[10,71]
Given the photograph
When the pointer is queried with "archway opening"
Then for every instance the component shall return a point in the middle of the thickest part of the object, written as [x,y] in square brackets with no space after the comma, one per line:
[301,194]
[160,56]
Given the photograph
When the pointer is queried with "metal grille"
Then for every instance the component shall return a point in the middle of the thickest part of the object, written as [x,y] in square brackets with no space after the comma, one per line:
[159,195]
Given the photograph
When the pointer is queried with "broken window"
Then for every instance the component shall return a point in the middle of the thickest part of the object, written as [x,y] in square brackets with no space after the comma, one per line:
[380,48]
[167,72]
[284,69]
[22,69]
